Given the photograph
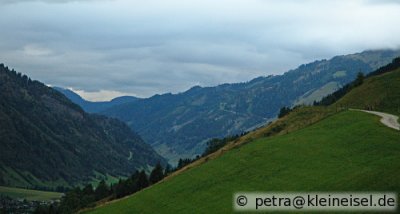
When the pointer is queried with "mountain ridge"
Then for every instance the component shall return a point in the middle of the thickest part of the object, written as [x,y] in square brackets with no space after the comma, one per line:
[95,107]
[179,125]
[47,141]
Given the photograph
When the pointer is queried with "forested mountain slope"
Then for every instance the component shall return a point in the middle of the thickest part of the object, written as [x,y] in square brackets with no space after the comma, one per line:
[48,141]
[178,125]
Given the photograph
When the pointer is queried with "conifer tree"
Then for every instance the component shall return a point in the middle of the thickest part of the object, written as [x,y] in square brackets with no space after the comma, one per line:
[142,181]
[102,190]
[157,174]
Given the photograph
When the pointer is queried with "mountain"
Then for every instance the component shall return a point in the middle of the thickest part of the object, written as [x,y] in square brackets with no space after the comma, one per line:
[178,125]
[312,149]
[48,141]
[380,93]
[95,107]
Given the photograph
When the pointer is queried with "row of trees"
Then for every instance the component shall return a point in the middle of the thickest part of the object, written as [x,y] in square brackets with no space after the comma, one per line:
[332,98]
[87,196]
[79,198]
[395,64]
[212,146]
[284,111]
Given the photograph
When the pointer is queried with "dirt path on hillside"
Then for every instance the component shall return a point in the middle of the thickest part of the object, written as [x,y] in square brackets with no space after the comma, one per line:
[388,120]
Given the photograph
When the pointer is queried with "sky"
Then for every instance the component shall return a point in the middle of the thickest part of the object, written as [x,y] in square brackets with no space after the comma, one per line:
[107,48]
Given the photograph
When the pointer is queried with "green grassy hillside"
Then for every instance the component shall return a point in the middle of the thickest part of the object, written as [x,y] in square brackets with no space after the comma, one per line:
[350,151]
[30,195]
[380,93]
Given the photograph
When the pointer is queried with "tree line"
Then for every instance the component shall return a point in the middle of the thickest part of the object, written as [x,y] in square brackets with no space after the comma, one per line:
[79,198]
[329,99]
[332,98]
[213,145]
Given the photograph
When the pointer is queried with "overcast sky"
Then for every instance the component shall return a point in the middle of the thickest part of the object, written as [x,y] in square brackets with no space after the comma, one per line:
[107,48]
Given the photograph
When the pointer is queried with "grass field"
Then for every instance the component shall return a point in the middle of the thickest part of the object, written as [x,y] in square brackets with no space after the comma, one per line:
[30,195]
[380,93]
[349,151]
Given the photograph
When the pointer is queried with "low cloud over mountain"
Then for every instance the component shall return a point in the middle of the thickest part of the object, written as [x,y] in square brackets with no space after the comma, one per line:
[147,47]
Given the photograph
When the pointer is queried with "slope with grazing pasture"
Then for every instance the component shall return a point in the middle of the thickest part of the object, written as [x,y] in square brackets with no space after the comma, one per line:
[378,93]
[338,150]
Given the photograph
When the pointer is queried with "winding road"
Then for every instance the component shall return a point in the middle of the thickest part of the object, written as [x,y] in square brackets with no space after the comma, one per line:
[388,120]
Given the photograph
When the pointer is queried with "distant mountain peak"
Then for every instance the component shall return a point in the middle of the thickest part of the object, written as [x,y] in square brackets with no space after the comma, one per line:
[95,107]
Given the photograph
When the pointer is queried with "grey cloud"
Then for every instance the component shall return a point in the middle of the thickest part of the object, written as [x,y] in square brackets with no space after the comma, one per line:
[46,1]
[382,1]
[155,46]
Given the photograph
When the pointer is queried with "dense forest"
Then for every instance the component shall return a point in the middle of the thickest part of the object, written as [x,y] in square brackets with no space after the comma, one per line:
[80,198]
[46,141]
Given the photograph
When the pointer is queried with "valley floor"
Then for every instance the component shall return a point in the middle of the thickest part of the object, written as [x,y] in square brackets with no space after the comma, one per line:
[28,194]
